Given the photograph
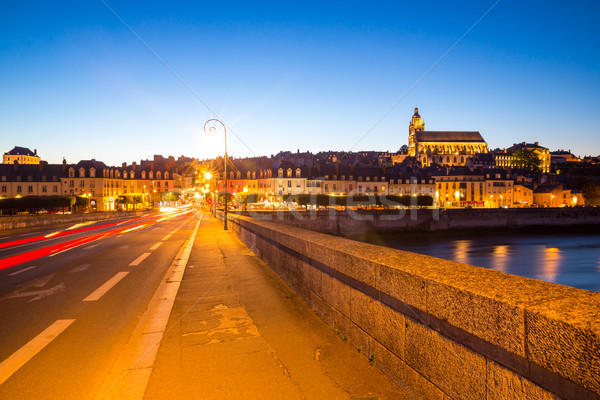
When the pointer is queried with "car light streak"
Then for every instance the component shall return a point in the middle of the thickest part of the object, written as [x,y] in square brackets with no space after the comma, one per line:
[55,249]
[65,233]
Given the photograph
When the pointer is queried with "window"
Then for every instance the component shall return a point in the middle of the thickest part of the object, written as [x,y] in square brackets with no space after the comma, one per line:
[19,189]
[44,189]
[30,189]
[3,189]
[55,189]
[19,178]
[30,178]
[82,183]
[71,183]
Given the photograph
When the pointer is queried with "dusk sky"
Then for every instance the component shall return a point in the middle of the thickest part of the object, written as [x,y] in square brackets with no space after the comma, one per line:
[122,81]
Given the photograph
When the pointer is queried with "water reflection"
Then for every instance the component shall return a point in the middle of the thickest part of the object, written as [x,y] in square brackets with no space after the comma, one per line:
[570,259]
[500,258]
[461,251]
[551,260]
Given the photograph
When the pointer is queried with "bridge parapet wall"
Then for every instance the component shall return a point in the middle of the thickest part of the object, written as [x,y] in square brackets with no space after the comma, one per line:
[441,329]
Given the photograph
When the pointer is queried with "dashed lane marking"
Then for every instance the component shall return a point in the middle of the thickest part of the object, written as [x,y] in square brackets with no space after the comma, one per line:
[156,246]
[35,345]
[109,284]
[22,270]
[82,267]
[139,260]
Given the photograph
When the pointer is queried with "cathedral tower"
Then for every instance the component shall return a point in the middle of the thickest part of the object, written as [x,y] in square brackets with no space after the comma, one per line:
[416,124]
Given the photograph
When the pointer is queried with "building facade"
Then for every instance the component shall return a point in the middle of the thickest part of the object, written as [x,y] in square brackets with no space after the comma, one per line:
[22,155]
[445,148]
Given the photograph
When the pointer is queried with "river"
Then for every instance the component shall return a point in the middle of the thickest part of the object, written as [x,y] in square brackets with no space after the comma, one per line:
[567,258]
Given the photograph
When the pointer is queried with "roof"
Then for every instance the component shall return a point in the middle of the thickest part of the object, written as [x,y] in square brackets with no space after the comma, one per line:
[21,151]
[448,136]
[549,188]
[36,171]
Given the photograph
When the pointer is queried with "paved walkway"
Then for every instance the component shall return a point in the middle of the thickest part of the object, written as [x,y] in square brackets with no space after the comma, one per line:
[237,331]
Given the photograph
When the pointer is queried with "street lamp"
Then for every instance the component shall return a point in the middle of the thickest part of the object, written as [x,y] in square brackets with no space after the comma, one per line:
[210,129]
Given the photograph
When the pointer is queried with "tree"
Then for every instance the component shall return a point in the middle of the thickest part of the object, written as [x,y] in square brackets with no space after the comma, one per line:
[526,159]
[591,193]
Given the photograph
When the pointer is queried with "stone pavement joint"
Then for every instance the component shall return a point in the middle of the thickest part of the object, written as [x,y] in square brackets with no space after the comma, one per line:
[237,331]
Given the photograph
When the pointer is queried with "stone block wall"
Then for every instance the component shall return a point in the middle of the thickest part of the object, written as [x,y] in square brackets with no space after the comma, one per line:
[31,221]
[441,329]
[351,223]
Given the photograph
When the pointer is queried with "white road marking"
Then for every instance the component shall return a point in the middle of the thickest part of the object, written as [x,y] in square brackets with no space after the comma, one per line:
[62,251]
[80,268]
[21,271]
[131,372]
[92,246]
[156,246]
[35,345]
[98,293]
[167,237]
[139,260]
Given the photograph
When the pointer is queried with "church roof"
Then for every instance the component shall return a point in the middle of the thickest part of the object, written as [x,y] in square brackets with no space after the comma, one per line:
[448,136]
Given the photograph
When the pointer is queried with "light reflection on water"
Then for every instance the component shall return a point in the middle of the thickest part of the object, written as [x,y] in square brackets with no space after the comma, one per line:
[568,259]
[500,259]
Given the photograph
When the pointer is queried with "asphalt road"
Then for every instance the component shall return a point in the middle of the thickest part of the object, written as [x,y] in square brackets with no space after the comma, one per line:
[69,304]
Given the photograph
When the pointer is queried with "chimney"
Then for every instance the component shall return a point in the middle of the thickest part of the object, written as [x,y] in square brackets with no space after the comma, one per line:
[42,165]
[133,165]
[537,143]
[124,165]
[35,151]
[16,165]
[64,165]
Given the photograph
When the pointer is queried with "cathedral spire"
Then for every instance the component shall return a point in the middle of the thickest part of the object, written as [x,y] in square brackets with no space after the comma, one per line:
[416,124]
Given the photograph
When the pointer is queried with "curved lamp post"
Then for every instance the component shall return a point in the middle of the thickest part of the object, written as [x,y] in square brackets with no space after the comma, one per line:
[210,129]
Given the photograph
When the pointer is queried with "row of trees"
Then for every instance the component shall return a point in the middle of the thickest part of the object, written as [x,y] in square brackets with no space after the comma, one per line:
[323,200]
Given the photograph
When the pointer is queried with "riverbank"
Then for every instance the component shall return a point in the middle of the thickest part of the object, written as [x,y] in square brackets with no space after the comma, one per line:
[352,223]
[565,255]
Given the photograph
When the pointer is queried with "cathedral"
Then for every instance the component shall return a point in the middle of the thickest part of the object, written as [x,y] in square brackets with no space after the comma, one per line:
[442,147]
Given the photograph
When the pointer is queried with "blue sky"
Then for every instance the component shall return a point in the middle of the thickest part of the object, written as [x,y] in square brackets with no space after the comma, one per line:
[76,82]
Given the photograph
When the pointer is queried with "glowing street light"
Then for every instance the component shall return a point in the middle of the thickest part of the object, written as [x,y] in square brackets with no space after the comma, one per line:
[210,129]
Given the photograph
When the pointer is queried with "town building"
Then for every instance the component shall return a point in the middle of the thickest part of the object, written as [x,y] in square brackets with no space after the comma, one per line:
[22,155]
[506,158]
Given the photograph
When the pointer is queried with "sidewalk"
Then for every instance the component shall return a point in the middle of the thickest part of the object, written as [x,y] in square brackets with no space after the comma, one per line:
[237,331]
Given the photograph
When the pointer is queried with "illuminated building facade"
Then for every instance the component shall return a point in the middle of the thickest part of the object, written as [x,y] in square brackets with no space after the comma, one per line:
[506,159]
[446,148]
[22,155]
